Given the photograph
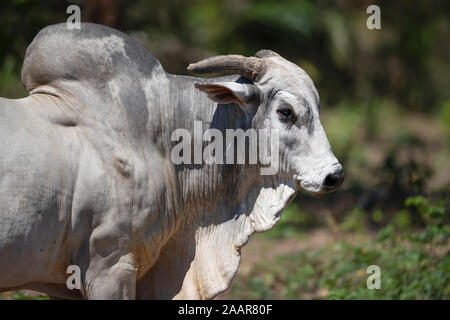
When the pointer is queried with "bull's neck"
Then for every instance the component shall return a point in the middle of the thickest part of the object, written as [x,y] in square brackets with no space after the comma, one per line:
[200,183]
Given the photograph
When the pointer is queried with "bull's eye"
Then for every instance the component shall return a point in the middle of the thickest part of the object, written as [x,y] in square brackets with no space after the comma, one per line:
[286,113]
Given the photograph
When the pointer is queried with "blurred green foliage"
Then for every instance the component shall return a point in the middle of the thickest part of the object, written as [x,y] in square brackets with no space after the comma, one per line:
[23,295]
[407,60]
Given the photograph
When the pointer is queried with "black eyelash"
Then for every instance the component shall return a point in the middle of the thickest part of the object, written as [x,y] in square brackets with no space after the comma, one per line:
[286,114]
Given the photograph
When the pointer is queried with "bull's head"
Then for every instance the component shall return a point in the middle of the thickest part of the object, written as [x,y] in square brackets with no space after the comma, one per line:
[280,95]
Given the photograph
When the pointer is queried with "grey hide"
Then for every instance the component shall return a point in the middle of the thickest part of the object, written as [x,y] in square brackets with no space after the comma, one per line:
[86,176]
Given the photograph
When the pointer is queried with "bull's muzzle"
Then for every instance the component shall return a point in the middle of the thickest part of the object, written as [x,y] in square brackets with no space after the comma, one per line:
[333,180]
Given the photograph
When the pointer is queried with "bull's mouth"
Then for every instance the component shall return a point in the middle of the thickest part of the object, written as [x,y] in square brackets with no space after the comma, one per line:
[317,193]
[308,191]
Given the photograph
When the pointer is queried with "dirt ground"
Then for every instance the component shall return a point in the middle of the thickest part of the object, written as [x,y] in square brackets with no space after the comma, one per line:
[260,249]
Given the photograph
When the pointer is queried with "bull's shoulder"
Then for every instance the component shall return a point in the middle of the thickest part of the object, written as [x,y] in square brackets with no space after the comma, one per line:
[11,111]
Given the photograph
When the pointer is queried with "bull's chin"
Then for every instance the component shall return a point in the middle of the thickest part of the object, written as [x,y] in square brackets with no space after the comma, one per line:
[315,193]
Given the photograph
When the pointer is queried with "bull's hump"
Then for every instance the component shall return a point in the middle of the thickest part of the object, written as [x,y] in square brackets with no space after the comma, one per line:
[93,54]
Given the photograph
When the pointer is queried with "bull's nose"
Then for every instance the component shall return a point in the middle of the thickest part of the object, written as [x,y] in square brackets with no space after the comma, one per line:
[333,180]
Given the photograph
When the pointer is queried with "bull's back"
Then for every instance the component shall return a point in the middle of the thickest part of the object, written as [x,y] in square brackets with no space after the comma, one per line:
[37,177]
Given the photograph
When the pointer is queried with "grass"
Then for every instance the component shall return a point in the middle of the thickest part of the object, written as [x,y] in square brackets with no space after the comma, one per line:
[413,264]
[409,268]
[22,295]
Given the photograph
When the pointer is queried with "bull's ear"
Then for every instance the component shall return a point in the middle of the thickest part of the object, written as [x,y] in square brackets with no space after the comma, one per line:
[229,92]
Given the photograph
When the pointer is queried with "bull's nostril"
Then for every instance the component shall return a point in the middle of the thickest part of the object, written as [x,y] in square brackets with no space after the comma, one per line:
[330,181]
[333,180]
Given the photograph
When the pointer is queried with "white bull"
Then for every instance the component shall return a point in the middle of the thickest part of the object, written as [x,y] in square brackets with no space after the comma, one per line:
[86,176]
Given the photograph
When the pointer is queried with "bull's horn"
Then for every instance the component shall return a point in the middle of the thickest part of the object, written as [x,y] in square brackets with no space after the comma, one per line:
[265,53]
[252,68]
